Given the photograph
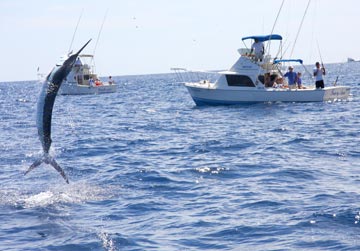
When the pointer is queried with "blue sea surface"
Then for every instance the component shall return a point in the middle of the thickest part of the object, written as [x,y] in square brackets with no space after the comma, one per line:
[149,170]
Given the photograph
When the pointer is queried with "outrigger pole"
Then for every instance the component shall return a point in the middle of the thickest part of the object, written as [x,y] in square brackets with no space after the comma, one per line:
[302,20]
[97,40]
[272,30]
[101,27]
[73,37]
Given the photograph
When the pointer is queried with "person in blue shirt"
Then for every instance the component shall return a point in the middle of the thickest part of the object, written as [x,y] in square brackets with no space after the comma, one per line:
[299,81]
[292,77]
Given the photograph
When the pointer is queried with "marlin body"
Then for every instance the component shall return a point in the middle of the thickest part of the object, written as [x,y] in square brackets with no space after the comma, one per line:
[45,106]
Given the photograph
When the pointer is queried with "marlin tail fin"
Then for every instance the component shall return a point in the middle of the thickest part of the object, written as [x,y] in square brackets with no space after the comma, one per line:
[51,161]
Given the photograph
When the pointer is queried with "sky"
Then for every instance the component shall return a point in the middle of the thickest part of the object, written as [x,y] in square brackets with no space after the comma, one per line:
[149,37]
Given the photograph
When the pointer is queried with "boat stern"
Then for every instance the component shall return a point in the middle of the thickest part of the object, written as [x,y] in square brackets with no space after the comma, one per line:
[336,93]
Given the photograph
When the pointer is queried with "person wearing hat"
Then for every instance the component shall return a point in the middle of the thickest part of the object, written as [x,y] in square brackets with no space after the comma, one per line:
[292,77]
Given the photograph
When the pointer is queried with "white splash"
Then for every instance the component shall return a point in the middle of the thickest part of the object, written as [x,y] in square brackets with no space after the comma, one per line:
[41,199]
[79,192]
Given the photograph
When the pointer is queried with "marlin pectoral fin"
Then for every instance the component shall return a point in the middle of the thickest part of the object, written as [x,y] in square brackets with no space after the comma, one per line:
[54,164]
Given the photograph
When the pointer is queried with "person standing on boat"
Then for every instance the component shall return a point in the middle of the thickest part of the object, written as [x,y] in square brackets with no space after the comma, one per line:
[258,48]
[318,74]
[292,77]
[111,81]
[78,62]
[91,82]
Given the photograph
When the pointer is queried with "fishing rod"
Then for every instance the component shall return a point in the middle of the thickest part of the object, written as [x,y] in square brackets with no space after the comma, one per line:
[101,27]
[322,63]
[73,37]
[318,47]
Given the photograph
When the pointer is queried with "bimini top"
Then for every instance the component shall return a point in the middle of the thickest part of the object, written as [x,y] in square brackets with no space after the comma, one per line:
[288,60]
[264,38]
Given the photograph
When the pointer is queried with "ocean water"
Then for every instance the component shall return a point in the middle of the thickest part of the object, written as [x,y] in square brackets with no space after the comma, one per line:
[149,170]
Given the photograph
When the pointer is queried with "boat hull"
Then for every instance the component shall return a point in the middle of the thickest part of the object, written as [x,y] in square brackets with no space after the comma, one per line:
[213,96]
[75,89]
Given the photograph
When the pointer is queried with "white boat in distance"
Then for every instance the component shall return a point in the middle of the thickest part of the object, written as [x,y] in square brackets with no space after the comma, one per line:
[244,83]
[83,80]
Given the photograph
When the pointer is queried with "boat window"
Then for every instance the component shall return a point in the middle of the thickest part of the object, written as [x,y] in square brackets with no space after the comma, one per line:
[86,77]
[239,80]
[261,78]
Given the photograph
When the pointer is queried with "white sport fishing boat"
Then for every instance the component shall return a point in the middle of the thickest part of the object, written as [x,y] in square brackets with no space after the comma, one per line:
[83,80]
[244,83]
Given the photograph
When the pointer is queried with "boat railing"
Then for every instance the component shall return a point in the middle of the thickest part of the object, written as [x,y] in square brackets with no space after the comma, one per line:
[194,76]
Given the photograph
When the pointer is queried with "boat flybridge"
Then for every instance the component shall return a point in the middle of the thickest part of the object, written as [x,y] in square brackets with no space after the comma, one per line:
[83,80]
[244,82]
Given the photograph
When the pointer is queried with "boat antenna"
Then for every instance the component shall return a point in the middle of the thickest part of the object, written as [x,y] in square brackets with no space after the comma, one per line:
[73,37]
[301,23]
[101,27]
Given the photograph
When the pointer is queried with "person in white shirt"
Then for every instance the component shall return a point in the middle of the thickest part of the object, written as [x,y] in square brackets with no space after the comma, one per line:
[111,81]
[318,74]
[91,82]
[258,48]
[78,62]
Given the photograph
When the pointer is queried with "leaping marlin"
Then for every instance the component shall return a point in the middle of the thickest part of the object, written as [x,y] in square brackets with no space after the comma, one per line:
[45,106]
